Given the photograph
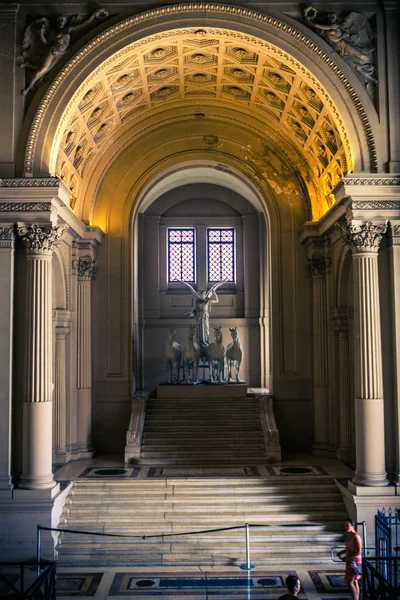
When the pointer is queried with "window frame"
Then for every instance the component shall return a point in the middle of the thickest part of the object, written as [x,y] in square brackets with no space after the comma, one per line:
[194,251]
[232,282]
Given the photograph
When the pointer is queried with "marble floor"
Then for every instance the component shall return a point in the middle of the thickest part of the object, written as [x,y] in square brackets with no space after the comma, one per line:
[319,581]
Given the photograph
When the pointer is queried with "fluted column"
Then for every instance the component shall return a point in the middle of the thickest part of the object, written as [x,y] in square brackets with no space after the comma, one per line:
[86,269]
[60,396]
[364,240]
[317,265]
[39,243]
[342,327]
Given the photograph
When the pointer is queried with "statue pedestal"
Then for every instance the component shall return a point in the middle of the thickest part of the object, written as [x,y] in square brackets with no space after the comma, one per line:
[202,390]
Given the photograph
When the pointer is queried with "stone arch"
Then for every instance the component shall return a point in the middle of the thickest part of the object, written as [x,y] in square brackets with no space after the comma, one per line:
[348,102]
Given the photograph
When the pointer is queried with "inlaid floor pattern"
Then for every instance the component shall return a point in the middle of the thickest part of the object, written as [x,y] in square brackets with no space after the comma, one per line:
[302,519]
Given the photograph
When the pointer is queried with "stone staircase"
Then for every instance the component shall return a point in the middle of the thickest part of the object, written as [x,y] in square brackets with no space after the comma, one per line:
[202,431]
[304,518]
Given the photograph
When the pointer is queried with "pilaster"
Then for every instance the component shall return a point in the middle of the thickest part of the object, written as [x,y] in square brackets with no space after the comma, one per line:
[318,263]
[342,319]
[394,248]
[61,453]
[364,239]
[85,269]
[7,238]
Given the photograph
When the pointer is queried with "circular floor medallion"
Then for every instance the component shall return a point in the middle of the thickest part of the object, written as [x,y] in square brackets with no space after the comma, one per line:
[295,470]
[111,472]
[267,582]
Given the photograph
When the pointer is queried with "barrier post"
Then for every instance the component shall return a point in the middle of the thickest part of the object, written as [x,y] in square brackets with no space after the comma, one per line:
[248,566]
[38,549]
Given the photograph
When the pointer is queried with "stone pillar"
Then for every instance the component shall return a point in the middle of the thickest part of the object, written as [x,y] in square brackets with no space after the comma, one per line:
[86,268]
[39,242]
[60,397]
[364,240]
[317,265]
[395,277]
[6,336]
[342,327]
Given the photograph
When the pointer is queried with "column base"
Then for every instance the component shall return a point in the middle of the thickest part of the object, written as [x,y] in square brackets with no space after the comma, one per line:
[44,482]
[319,449]
[371,480]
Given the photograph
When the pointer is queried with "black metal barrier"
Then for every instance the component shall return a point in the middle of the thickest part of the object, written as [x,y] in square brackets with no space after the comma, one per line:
[247,566]
[28,580]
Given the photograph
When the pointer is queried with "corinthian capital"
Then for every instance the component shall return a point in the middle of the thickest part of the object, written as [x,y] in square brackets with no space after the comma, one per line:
[41,240]
[362,238]
[317,264]
[86,268]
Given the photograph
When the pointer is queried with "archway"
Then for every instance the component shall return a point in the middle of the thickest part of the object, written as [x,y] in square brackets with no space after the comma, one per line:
[252,96]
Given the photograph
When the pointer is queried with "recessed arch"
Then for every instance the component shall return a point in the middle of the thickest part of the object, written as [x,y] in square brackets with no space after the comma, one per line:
[323,129]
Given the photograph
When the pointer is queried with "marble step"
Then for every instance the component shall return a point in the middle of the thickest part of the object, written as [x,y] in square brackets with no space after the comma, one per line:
[169,499]
[170,510]
[216,484]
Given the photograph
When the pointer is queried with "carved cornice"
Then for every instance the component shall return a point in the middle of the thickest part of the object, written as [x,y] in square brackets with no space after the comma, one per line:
[25,206]
[85,268]
[362,238]
[31,182]
[120,29]
[376,204]
[41,240]
[366,181]
[317,265]
[7,237]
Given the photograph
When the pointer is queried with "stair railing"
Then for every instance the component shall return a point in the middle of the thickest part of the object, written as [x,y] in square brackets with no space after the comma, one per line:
[43,587]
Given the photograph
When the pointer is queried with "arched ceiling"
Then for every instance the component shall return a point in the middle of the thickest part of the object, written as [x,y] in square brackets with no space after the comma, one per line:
[195,71]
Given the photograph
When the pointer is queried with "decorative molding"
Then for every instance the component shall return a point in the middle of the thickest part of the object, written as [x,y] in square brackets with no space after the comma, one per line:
[171,11]
[25,206]
[7,237]
[366,181]
[85,268]
[375,204]
[318,264]
[41,240]
[31,182]
[362,238]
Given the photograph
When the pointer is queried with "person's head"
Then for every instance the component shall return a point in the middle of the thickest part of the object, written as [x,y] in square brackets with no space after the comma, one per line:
[203,294]
[350,526]
[293,584]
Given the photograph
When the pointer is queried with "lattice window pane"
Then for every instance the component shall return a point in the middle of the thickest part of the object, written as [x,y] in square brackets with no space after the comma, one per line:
[180,254]
[221,254]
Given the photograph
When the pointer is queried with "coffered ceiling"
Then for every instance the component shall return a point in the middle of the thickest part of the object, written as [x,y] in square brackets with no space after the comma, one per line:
[204,68]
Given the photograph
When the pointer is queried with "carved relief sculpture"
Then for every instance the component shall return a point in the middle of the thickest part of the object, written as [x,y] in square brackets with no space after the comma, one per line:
[352,39]
[43,45]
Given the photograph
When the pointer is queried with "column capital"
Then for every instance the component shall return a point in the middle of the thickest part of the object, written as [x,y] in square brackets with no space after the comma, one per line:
[40,239]
[364,237]
[7,235]
[85,268]
[61,332]
[394,234]
[318,264]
